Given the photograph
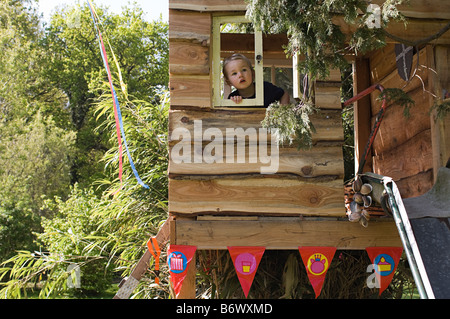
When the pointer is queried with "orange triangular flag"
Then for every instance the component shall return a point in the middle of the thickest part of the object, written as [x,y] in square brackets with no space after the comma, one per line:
[385,261]
[317,260]
[246,261]
[178,259]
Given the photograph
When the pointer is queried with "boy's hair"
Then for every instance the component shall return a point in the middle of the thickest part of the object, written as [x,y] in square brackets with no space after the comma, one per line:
[235,56]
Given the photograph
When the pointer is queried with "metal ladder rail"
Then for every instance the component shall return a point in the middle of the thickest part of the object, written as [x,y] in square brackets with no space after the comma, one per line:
[406,234]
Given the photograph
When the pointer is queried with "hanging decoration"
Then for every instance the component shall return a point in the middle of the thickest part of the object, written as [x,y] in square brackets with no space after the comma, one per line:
[317,260]
[178,259]
[117,112]
[246,261]
[385,261]
[154,249]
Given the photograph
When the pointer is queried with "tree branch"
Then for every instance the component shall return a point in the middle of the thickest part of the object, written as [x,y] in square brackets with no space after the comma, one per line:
[418,42]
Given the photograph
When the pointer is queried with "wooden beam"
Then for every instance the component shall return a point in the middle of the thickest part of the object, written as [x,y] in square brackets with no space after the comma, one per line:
[439,60]
[362,111]
[286,233]
[256,195]
[328,123]
[415,29]
[435,9]
[188,58]
[397,164]
[192,27]
[190,90]
[319,161]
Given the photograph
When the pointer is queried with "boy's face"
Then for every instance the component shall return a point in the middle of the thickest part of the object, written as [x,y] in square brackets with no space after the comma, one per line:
[239,74]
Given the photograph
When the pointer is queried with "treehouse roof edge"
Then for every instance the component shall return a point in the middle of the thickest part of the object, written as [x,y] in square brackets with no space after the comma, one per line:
[208,5]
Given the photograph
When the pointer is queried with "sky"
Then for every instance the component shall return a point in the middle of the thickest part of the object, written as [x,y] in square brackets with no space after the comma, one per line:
[152,8]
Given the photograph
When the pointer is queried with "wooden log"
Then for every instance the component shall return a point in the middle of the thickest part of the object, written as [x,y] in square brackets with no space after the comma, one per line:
[393,80]
[208,5]
[188,58]
[286,233]
[440,128]
[362,112]
[319,161]
[190,90]
[190,27]
[243,195]
[382,63]
[434,9]
[396,129]
[328,123]
[408,159]
[416,29]
[415,185]
[328,97]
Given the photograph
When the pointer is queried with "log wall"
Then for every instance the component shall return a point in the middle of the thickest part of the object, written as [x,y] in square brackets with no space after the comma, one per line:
[306,183]
[403,146]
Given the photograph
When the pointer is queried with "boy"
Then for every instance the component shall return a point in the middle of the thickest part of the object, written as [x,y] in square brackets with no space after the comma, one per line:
[238,72]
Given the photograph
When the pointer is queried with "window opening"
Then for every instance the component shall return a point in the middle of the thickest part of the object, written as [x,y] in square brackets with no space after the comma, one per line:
[236,25]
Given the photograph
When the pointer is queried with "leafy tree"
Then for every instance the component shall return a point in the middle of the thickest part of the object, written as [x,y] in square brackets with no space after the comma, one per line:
[314,32]
[35,150]
[103,234]
[34,164]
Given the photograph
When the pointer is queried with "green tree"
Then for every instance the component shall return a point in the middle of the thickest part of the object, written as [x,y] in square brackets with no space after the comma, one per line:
[314,33]
[35,149]
[34,164]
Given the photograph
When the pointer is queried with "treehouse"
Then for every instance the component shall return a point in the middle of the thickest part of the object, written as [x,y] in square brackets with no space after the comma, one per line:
[230,185]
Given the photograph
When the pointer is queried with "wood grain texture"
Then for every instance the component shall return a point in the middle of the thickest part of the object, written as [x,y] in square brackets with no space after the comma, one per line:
[328,123]
[188,26]
[411,158]
[189,90]
[286,233]
[257,196]
[328,97]
[188,58]
[319,161]
[208,5]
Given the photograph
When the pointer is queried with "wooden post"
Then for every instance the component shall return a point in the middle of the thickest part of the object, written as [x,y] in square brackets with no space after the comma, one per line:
[362,111]
[188,288]
[439,61]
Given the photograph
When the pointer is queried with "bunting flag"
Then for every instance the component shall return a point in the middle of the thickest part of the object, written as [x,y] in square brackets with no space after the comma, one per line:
[317,260]
[117,112]
[246,261]
[385,261]
[178,259]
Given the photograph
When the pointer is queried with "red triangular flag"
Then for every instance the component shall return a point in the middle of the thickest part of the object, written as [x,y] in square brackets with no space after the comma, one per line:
[246,261]
[178,259]
[385,261]
[317,260]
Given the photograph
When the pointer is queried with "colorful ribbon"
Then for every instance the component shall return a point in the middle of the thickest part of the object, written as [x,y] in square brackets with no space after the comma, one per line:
[117,113]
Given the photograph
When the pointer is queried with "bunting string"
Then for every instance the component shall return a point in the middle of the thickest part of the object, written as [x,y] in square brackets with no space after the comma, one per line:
[117,113]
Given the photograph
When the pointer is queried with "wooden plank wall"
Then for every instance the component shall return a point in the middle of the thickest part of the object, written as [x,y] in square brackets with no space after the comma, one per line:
[403,147]
[306,183]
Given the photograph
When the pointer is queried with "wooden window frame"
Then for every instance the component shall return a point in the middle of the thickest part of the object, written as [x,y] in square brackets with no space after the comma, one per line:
[218,101]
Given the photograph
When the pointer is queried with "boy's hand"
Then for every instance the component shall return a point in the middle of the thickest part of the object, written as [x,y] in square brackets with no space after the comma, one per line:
[236,99]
